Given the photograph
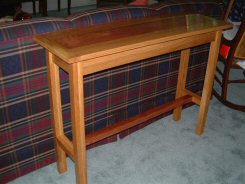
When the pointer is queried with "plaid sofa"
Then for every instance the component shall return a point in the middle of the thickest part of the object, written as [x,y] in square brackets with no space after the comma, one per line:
[26,135]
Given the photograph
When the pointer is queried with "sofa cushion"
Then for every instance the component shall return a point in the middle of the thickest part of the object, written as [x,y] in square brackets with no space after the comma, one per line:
[106,15]
[26,28]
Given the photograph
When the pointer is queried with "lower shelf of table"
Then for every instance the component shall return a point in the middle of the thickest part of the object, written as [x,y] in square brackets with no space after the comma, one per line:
[67,145]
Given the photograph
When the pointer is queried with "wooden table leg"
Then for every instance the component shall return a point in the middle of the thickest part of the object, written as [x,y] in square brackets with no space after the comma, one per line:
[183,70]
[55,103]
[208,83]
[78,122]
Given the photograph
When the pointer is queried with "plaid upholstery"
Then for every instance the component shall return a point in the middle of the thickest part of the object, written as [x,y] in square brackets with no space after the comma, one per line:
[26,135]
[106,15]
[212,8]
[19,29]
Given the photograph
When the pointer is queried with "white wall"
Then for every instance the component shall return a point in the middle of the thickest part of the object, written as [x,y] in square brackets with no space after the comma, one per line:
[53,4]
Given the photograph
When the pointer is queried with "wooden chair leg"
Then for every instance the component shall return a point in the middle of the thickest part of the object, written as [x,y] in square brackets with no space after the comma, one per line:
[69,7]
[40,6]
[58,5]
[34,7]
[228,9]
[97,3]
[225,81]
[44,7]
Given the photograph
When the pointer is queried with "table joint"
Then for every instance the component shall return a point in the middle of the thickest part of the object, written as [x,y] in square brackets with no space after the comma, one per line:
[66,145]
[195,98]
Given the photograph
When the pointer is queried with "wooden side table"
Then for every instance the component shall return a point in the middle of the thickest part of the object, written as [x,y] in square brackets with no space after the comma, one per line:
[86,50]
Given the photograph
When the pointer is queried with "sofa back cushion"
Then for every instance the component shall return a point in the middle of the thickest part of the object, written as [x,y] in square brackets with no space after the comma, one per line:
[106,15]
[25,28]
[214,8]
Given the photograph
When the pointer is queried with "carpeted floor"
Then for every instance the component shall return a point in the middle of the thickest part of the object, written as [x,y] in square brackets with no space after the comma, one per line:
[166,152]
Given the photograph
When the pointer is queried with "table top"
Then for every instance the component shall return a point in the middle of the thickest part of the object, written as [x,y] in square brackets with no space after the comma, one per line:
[86,43]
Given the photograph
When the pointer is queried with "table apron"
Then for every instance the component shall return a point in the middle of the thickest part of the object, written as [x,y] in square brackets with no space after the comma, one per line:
[129,56]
